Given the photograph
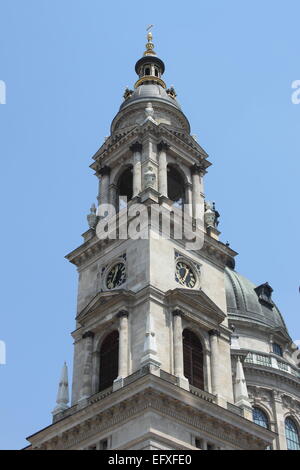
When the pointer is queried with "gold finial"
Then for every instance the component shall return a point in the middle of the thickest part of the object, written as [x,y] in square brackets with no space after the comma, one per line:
[149,45]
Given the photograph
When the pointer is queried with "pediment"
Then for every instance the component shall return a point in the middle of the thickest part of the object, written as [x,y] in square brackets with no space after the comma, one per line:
[197,301]
[107,298]
[186,139]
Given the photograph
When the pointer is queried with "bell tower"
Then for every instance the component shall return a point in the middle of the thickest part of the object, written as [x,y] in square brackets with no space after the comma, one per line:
[152,364]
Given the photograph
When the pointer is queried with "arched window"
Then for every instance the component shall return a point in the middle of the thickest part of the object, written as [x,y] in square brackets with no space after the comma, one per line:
[260,418]
[147,71]
[109,360]
[125,188]
[193,359]
[292,435]
[176,190]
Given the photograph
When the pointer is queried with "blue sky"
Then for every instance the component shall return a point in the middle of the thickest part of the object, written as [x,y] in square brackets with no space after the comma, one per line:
[66,64]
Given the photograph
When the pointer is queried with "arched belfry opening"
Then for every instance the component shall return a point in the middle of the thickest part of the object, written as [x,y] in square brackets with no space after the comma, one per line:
[109,360]
[176,187]
[193,359]
[125,187]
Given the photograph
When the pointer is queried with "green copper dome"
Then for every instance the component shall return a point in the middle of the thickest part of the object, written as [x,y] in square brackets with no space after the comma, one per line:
[246,302]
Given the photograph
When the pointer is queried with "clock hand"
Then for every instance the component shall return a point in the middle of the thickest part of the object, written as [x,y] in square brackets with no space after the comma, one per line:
[118,276]
[186,273]
[115,274]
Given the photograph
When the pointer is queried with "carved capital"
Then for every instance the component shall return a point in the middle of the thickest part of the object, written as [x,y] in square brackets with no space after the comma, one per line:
[163,146]
[214,333]
[178,312]
[88,334]
[277,395]
[122,313]
[105,170]
[198,169]
[136,147]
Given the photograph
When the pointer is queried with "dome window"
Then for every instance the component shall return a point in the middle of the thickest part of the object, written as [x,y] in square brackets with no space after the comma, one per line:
[277,349]
[264,294]
[260,418]
[147,71]
[292,435]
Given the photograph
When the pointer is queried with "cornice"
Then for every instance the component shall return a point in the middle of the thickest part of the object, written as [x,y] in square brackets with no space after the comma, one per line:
[110,299]
[150,392]
[194,302]
[181,139]
[165,108]
[186,141]
[113,140]
[256,369]
[241,318]
[216,251]
[212,250]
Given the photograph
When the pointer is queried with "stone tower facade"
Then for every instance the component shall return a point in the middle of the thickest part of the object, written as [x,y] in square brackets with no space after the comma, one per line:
[161,345]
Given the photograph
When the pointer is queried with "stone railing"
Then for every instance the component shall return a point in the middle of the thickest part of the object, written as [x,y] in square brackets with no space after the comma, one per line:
[202,394]
[64,414]
[168,377]
[136,375]
[272,362]
[235,409]
[172,379]
[100,395]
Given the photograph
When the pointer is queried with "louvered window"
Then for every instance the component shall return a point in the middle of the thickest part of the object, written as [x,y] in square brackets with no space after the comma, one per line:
[193,359]
[109,360]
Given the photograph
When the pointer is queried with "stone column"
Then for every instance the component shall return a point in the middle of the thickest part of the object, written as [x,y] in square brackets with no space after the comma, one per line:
[86,387]
[113,196]
[279,419]
[189,193]
[197,191]
[104,173]
[162,168]
[123,343]
[207,366]
[136,149]
[204,444]
[99,188]
[123,349]
[214,360]
[178,349]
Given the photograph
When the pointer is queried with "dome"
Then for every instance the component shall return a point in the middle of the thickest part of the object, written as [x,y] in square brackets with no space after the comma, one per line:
[150,92]
[244,303]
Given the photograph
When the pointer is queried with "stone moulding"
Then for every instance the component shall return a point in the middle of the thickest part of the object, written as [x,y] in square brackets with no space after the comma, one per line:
[182,140]
[268,371]
[151,393]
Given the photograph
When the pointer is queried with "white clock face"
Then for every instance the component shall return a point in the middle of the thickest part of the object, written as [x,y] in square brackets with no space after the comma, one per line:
[116,276]
[185,275]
